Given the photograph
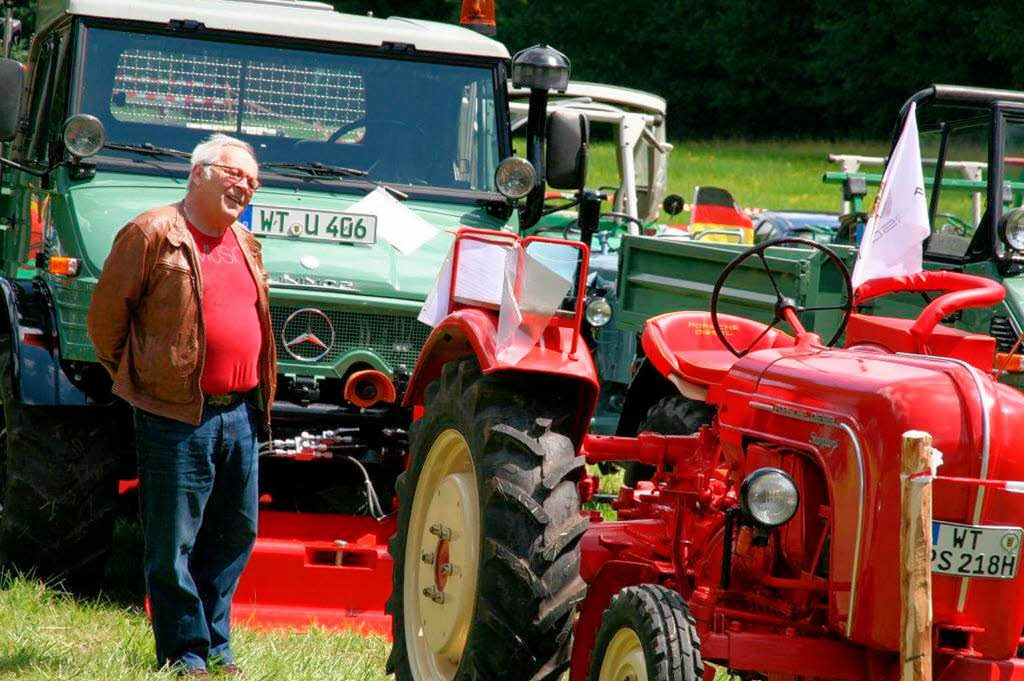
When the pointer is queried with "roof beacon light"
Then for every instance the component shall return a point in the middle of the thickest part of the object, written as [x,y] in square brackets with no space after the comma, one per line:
[479,16]
[540,68]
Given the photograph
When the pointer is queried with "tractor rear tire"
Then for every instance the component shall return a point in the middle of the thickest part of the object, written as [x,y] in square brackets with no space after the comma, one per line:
[59,493]
[674,415]
[491,492]
[647,632]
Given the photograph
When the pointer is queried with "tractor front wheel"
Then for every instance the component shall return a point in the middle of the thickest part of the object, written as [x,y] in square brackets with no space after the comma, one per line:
[647,634]
[487,555]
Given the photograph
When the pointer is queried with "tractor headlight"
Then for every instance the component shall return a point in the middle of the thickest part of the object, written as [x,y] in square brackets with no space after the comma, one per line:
[598,312]
[84,135]
[770,496]
[1011,229]
[515,177]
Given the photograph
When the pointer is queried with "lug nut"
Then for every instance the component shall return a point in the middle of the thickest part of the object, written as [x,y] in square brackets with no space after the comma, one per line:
[434,594]
[440,531]
[427,558]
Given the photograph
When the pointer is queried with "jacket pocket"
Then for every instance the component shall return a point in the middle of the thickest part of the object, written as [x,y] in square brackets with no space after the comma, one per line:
[166,338]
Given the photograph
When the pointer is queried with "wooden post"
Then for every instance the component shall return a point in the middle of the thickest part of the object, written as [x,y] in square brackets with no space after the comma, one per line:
[916,559]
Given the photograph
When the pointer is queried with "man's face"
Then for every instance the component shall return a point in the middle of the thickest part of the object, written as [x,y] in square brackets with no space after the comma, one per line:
[226,192]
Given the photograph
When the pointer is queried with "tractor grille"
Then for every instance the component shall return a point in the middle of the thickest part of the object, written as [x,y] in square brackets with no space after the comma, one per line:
[1002,330]
[395,339]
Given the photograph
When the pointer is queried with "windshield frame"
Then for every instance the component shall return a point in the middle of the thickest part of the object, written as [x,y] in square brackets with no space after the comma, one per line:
[107,161]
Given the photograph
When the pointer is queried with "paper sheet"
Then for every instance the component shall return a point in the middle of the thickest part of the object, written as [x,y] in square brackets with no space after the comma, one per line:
[479,281]
[396,224]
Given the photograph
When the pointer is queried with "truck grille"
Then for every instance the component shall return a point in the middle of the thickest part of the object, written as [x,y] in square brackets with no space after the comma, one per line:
[1002,330]
[395,339]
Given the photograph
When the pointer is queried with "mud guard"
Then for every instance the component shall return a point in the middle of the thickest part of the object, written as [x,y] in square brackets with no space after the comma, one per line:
[37,373]
[472,331]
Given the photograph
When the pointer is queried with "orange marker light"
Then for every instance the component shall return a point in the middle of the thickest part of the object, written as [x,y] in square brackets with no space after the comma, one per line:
[64,266]
[479,16]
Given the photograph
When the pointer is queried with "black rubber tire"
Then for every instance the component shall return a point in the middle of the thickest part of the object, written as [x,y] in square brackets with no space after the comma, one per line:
[60,488]
[527,471]
[665,627]
[674,415]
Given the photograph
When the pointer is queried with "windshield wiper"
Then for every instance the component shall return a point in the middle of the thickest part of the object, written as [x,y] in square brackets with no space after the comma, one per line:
[147,149]
[317,169]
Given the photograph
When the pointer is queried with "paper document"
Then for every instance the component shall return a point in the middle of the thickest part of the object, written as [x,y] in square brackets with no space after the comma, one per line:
[396,224]
[479,280]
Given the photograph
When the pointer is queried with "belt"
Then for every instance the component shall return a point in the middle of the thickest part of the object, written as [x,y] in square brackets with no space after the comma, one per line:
[227,399]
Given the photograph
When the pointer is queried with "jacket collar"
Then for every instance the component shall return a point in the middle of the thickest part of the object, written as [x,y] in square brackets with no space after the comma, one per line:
[178,233]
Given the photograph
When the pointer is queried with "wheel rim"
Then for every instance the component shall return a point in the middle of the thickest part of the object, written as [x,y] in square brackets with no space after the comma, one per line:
[441,559]
[624,658]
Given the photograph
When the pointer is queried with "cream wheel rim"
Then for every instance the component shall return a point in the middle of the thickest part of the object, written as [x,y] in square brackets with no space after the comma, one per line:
[624,658]
[442,557]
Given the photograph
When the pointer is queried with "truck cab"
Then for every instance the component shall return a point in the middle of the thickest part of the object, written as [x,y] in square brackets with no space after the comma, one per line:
[377,140]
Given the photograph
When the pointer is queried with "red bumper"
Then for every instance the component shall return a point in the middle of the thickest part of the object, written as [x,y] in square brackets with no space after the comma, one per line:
[330,570]
[967,669]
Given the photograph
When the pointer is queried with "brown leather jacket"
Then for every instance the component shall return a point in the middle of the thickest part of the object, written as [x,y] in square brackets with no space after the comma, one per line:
[146,317]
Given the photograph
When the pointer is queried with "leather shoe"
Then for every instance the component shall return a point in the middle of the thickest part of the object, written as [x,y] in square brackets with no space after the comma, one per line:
[231,669]
[194,673]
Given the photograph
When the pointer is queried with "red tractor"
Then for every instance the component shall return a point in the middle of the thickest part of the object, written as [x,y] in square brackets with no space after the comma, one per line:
[767,540]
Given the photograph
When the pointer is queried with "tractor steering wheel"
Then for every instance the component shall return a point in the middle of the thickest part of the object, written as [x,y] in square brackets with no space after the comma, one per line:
[786,308]
[959,292]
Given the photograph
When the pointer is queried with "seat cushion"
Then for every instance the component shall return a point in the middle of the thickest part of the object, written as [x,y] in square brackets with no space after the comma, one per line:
[685,344]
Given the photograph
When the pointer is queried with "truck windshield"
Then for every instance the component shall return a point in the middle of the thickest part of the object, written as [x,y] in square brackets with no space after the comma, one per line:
[401,121]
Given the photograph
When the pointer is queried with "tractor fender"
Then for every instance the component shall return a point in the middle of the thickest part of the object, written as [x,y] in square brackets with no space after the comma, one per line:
[472,332]
[36,372]
[613,577]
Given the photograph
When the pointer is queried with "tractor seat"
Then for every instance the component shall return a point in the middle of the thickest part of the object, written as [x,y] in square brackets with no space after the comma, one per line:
[893,334]
[684,345]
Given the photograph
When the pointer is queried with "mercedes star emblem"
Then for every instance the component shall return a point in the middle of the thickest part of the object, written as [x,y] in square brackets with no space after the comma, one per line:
[301,340]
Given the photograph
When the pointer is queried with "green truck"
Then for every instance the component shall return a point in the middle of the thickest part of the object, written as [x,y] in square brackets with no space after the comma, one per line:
[97,128]
[978,228]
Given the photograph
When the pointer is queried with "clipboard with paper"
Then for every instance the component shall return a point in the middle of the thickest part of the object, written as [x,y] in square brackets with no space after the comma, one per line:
[531,283]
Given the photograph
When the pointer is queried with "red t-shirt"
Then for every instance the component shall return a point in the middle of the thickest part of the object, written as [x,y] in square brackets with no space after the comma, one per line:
[233,335]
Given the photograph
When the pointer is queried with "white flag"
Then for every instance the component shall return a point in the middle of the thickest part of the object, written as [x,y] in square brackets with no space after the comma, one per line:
[891,246]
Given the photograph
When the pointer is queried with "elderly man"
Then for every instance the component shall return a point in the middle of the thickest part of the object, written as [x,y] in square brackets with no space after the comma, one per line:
[180,318]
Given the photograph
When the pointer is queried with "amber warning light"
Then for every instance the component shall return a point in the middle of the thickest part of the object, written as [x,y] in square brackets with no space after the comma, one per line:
[479,16]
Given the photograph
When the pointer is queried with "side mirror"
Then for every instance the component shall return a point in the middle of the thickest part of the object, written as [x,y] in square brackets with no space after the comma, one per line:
[566,163]
[12,77]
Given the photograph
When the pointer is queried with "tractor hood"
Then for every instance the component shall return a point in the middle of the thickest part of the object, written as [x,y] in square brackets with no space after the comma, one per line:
[378,270]
[847,410]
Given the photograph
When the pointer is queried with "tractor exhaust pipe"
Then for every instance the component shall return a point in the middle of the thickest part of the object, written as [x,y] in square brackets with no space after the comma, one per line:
[368,387]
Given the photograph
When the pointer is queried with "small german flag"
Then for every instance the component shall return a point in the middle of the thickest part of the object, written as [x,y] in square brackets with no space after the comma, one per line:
[714,210]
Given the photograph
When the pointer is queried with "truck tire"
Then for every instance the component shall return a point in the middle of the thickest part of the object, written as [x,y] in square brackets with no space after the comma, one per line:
[60,468]
[491,492]
[675,415]
[647,632]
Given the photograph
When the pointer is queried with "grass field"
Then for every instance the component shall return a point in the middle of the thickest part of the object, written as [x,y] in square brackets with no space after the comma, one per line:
[47,635]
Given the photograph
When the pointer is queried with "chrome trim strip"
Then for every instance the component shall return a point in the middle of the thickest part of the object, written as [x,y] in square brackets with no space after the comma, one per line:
[985,427]
[860,523]
[806,415]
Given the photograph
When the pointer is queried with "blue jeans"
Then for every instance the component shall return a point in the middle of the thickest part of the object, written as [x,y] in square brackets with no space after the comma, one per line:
[199,499]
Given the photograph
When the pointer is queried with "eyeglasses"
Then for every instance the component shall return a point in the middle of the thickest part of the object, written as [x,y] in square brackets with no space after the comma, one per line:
[237,175]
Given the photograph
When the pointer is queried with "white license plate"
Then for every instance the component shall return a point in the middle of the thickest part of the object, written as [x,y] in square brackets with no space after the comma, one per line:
[975,550]
[315,225]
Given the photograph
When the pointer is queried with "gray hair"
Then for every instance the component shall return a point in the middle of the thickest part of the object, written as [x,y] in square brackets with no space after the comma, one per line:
[209,150]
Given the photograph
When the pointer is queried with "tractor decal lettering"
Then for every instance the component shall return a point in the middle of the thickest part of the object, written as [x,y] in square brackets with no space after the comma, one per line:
[822,441]
[823,419]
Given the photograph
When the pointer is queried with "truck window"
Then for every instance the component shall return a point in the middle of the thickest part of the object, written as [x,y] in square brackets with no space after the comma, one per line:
[403,121]
[48,101]
[962,195]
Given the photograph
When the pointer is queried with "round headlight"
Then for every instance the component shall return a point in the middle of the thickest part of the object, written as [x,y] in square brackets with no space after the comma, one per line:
[769,496]
[597,311]
[84,135]
[515,177]
[1011,229]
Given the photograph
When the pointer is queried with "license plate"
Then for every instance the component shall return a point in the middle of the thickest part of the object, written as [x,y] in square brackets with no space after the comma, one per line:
[314,225]
[975,550]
